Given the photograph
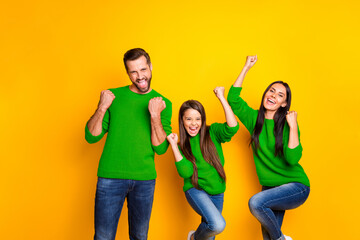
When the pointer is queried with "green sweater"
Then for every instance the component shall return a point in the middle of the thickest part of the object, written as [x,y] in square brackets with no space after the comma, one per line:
[272,170]
[208,178]
[128,152]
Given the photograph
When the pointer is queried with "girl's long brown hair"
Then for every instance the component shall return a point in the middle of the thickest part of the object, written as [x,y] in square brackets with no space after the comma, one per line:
[208,149]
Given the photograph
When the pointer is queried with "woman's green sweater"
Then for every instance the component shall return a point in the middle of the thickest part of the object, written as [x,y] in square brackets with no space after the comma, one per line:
[272,170]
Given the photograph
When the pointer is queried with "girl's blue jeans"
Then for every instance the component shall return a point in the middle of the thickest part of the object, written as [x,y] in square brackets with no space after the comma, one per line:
[209,207]
[269,206]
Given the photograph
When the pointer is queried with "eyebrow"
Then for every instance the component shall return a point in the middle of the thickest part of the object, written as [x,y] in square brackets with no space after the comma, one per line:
[278,91]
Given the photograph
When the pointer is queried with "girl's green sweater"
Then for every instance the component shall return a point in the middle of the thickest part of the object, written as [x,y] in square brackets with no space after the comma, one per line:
[208,178]
[272,170]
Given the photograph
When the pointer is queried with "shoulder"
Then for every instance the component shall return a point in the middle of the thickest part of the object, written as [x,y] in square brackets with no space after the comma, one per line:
[156,94]
[214,128]
[119,90]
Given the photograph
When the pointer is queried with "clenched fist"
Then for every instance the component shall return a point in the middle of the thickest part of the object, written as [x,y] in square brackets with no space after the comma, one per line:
[106,99]
[156,105]
[250,61]
[172,138]
[291,118]
[219,92]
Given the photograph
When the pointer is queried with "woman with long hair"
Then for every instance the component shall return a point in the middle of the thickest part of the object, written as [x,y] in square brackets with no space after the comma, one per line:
[200,161]
[275,140]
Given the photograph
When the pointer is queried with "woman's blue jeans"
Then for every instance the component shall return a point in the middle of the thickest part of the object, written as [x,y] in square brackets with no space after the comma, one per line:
[110,197]
[209,207]
[269,206]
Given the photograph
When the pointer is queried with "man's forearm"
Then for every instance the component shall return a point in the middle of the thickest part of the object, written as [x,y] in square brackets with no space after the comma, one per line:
[158,135]
[95,123]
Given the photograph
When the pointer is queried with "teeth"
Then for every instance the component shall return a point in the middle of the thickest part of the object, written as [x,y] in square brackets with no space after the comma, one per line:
[271,101]
[142,83]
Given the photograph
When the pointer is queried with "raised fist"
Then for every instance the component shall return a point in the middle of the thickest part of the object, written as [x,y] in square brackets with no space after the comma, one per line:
[172,138]
[250,61]
[219,92]
[106,99]
[291,118]
[156,105]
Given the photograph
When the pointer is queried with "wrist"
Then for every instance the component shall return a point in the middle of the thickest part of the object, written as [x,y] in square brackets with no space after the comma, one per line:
[155,116]
[101,110]
[246,69]
[293,127]
[221,98]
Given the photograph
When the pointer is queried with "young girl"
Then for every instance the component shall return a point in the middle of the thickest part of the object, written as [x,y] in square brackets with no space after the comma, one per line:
[200,161]
[275,140]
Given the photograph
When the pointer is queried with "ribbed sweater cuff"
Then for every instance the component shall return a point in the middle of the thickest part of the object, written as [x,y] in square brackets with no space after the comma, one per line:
[91,138]
[235,90]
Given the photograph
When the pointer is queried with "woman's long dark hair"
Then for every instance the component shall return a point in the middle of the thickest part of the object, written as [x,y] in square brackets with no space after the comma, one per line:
[279,120]
[207,147]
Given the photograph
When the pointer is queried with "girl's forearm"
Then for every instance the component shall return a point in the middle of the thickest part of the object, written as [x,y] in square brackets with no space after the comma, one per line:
[229,114]
[177,155]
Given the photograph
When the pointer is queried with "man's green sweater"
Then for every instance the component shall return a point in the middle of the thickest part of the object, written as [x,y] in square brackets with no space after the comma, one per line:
[128,152]
[208,178]
[272,170]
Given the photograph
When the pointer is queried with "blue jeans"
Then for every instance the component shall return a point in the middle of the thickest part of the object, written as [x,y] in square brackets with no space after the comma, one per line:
[110,197]
[269,206]
[209,207]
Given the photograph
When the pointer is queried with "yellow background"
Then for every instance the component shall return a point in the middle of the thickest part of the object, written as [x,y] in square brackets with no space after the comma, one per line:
[56,57]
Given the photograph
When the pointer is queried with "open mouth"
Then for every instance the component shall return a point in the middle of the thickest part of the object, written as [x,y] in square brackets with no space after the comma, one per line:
[193,130]
[142,83]
[270,101]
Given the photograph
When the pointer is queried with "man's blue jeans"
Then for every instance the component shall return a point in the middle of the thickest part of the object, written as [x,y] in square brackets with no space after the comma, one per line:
[209,207]
[269,206]
[110,197]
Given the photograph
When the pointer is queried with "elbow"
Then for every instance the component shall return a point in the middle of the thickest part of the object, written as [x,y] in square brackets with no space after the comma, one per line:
[159,152]
[293,160]
[185,175]
[162,148]
[230,101]
[293,155]
[91,141]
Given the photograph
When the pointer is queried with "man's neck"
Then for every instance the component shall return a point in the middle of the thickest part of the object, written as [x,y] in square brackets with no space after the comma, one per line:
[134,89]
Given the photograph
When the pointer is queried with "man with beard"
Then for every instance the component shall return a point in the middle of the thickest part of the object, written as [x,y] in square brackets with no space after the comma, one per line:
[137,120]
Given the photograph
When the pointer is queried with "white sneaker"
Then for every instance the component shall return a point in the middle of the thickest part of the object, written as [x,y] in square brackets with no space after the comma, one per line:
[191,233]
[287,237]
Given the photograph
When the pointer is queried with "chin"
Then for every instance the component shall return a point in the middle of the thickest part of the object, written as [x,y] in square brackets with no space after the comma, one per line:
[192,134]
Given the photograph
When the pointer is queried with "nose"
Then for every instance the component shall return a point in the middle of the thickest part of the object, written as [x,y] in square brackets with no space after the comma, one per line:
[141,75]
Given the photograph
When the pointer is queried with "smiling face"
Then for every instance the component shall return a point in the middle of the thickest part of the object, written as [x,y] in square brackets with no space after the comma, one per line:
[275,97]
[140,75]
[192,121]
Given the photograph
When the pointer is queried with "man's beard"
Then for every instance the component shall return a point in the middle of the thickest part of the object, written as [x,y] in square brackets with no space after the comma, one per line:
[143,90]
